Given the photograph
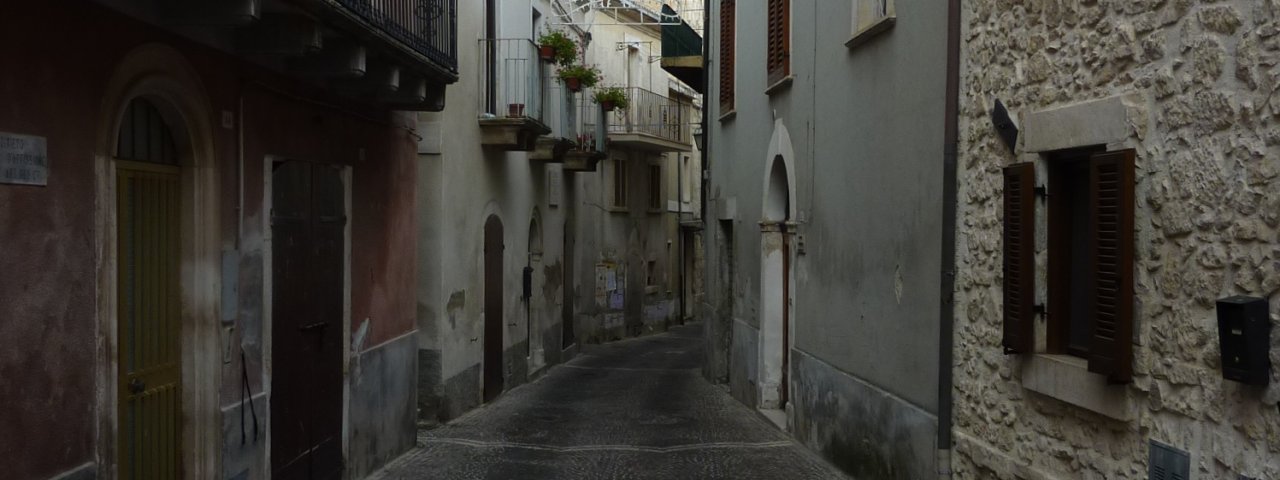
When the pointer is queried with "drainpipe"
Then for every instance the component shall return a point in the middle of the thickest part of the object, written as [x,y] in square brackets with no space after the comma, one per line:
[706,107]
[948,278]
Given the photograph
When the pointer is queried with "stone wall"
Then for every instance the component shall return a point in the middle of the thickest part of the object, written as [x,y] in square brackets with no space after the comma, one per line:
[1203,113]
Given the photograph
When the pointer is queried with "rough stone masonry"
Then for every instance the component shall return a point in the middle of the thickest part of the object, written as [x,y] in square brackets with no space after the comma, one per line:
[1202,107]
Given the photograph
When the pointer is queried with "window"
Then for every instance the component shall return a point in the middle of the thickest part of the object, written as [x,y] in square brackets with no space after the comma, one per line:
[871,17]
[779,38]
[655,187]
[1090,258]
[651,277]
[727,46]
[619,183]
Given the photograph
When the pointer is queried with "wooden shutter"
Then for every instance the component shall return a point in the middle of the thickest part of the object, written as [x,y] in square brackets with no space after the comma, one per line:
[1111,203]
[727,48]
[1019,257]
[779,38]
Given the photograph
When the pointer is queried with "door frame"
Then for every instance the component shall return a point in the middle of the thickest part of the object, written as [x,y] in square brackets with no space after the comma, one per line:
[267,304]
[161,74]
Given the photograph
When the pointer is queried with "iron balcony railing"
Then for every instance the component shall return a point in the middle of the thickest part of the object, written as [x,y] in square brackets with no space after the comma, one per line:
[648,113]
[512,79]
[428,27]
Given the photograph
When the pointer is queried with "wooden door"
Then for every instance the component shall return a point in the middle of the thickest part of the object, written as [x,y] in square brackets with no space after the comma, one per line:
[308,223]
[784,389]
[493,247]
[149,320]
[566,308]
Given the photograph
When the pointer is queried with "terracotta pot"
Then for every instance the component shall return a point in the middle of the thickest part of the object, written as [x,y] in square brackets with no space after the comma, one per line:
[515,109]
[547,52]
[573,84]
[608,105]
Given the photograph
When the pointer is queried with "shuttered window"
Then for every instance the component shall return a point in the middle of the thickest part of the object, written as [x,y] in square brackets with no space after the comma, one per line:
[1019,257]
[1111,201]
[1090,259]
[728,26]
[779,38]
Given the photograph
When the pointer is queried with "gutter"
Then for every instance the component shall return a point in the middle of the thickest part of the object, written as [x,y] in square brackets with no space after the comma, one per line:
[946,312]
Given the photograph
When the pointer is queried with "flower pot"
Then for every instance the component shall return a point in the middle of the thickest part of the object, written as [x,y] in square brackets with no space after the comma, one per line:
[547,53]
[608,105]
[515,109]
[573,84]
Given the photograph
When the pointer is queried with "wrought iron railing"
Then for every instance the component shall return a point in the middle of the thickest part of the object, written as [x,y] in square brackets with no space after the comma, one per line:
[648,113]
[428,27]
[512,79]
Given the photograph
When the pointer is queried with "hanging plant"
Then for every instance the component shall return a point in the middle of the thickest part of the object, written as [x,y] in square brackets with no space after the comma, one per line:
[577,77]
[611,98]
[557,47]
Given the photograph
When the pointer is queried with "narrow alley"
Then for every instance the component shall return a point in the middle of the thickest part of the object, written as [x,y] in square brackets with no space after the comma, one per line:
[630,409]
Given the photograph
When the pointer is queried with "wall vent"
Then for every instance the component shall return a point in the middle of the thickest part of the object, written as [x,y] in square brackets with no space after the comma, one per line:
[1168,463]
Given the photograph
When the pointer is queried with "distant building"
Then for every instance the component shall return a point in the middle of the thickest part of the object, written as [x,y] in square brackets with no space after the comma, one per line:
[1141,189]
[543,223]
[207,219]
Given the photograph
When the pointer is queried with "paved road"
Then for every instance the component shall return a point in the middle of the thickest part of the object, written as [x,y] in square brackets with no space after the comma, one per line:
[635,409]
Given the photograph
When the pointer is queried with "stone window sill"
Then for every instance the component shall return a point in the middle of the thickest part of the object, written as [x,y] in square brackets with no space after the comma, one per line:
[615,209]
[780,85]
[726,116]
[871,30]
[1067,378]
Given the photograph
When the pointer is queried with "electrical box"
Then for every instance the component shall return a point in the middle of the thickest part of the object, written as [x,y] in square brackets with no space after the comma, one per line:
[1244,334]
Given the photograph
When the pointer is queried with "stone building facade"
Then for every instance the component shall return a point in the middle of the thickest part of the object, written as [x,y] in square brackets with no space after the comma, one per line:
[1189,86]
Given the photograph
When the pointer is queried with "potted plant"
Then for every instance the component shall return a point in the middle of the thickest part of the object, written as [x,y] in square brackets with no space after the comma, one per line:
[557,47]
[577,77]
[611,98]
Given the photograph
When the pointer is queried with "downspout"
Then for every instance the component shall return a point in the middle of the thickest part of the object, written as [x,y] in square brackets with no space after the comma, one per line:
[946,318]
[704,158]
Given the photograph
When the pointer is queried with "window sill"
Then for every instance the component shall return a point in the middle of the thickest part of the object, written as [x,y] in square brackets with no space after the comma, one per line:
[651,289]
[726,116]
[655,211]
[780,85]
[613,209]
[1068,379]
[868,32]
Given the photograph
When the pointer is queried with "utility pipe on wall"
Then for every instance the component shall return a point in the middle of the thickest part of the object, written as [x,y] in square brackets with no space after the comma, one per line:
[946,320]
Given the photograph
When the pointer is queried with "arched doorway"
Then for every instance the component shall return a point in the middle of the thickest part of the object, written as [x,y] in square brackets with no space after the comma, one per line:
[149,291]
[493,299]
[160,360]
[775,287]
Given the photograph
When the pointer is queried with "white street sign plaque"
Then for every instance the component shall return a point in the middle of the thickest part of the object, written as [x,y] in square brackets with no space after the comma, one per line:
[24,159]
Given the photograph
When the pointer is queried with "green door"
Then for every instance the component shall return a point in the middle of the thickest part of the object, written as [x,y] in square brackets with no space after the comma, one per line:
[149,355]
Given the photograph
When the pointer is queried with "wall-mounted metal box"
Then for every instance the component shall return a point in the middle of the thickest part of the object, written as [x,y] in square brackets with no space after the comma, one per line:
[1244,334]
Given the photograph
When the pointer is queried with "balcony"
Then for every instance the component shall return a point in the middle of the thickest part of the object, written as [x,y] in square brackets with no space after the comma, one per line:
[513,113]
[397,53]
[652,122]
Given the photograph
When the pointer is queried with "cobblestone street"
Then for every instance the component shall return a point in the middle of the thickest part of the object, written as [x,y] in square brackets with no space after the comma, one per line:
[631,409]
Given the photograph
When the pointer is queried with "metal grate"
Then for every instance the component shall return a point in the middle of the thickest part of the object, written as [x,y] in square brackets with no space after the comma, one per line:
[1168,463]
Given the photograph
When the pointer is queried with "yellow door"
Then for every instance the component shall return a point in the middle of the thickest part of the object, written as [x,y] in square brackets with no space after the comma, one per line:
[149,358]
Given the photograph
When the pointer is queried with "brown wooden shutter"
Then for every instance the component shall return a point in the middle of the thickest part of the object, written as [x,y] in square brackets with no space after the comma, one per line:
[779,39]
[1019,257]
[727,47]
[1111,203]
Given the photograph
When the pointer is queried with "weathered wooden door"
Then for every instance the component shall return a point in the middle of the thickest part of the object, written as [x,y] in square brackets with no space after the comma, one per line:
[149,320]
[566,312]
[493,247]
[308,219]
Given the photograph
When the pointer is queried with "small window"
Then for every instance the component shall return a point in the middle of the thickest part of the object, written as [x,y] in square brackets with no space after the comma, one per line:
[727,44]
[779,38]
[1090,253]
[651,277]
[871,17]
[655,187]
[619,183]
